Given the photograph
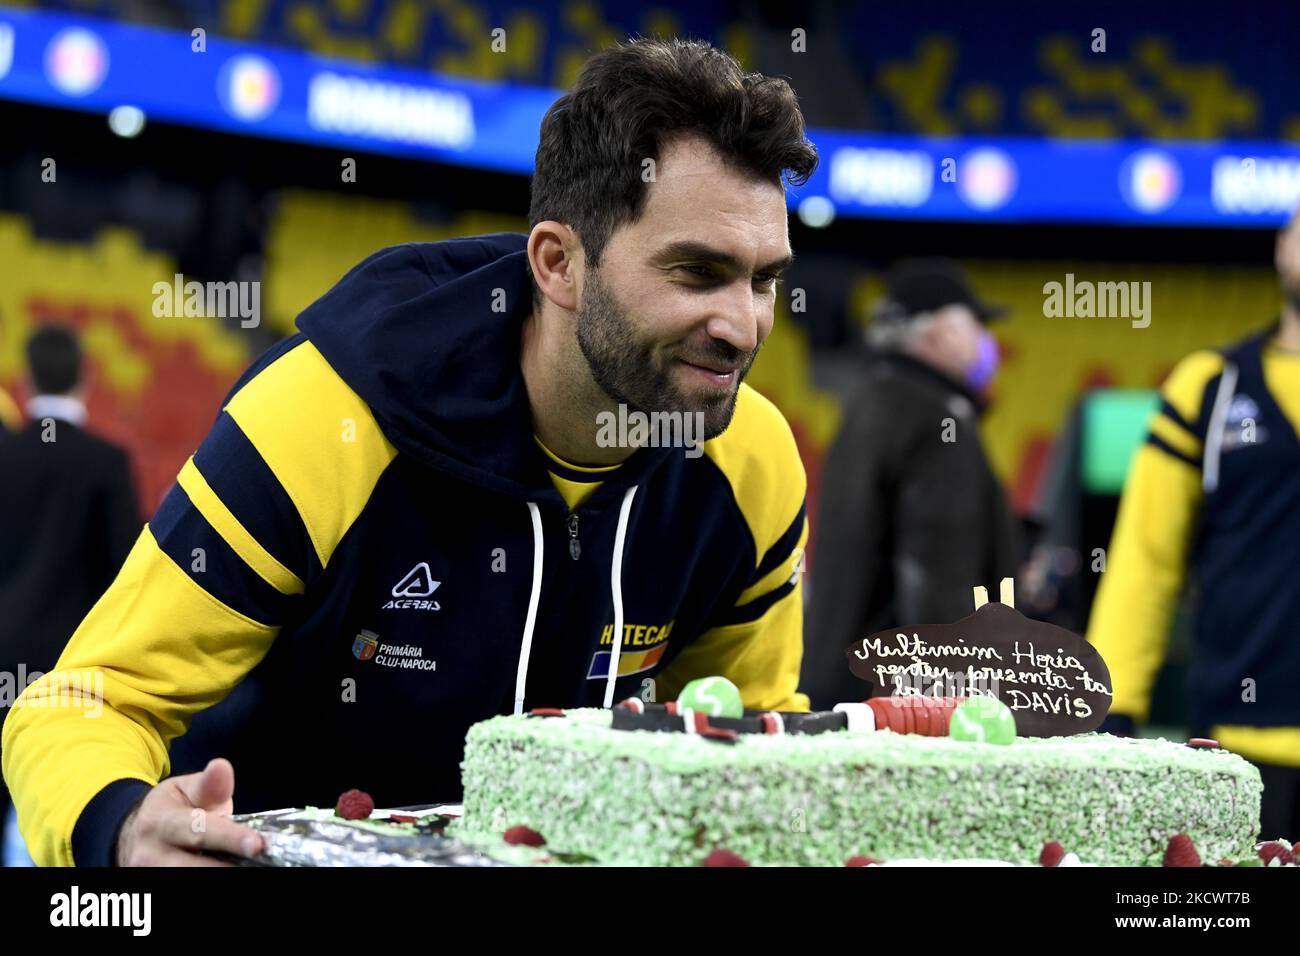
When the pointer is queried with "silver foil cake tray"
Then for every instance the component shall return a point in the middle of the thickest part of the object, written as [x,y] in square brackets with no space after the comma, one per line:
[315,837]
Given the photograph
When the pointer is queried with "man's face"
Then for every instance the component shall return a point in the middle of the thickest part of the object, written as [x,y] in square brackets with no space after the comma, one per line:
[1286,256]
[683,298]
[958,330]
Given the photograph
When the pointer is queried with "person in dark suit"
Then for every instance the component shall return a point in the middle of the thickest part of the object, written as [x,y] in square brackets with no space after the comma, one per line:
[68,517]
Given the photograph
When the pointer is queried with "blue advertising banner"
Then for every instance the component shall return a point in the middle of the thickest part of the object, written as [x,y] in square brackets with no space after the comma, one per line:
[94,65]
[1038,180]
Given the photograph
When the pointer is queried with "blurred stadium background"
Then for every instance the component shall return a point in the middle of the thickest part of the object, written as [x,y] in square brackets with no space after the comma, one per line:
[1173,157]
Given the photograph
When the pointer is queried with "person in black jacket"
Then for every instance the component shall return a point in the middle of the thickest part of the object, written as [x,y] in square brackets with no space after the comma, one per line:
[912,516]
[68,517]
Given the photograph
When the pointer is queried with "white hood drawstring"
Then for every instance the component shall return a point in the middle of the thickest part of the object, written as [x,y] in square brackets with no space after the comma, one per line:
[616,584]
[1214,433]
[521,675]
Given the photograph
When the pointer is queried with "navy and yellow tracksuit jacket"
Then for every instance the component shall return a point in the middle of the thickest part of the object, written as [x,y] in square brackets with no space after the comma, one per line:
[1214,495]
[367,555]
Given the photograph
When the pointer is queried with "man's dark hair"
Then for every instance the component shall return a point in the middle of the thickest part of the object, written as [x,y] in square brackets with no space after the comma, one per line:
[54,360]
[628,101]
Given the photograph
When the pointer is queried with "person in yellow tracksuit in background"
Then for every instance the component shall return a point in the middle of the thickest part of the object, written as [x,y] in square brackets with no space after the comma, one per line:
[1213,498]
[11,419]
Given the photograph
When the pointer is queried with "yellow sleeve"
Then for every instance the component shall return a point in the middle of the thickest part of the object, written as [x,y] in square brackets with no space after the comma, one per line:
[1275,745]
[1147,560]
[760,656]
[758,643]
[154,650]
[10,417]
[254,514]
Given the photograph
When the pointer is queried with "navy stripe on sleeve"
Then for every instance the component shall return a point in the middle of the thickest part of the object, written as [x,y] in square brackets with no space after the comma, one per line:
[755,608]
[1172,413]
[783,547]
[180,529]
[1164,446]
[246,485]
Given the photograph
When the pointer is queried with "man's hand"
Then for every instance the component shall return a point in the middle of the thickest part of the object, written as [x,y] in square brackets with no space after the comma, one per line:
[183,815]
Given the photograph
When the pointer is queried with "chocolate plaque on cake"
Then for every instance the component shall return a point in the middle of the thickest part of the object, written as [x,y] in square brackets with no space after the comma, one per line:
[1054,681]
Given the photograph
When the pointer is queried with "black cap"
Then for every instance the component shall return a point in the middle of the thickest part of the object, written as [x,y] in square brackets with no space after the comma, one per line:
[923,285]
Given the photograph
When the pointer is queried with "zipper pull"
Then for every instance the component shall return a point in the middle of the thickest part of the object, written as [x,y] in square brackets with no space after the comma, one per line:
[575,548]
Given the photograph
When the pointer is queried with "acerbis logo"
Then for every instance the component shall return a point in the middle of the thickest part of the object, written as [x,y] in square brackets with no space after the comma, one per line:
[417,584]
[1242,408]
[1241,424]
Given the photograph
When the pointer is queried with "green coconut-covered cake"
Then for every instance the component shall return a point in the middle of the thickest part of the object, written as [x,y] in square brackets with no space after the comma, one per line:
[649,797]
[974,743]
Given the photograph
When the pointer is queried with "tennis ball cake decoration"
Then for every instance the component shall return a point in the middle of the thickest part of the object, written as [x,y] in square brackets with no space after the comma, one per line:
[984,720]
[715,696]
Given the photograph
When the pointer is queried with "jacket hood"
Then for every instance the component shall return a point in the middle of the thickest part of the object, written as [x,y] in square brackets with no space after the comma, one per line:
[428,335]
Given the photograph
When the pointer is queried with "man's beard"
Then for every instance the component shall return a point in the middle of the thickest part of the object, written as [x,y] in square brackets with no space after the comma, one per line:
[625,369]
